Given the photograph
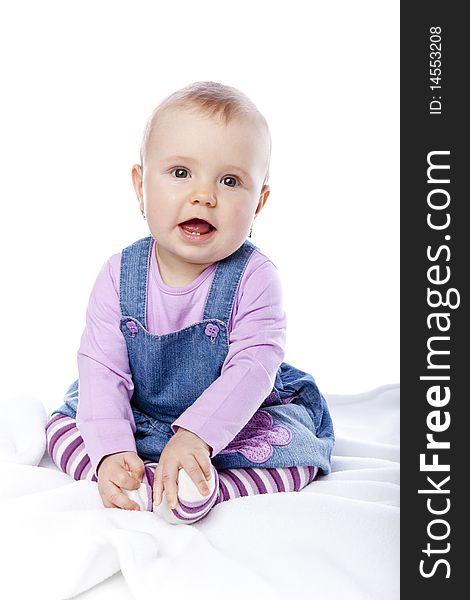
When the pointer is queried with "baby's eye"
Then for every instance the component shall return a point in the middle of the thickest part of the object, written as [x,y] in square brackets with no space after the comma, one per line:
[230,179]
[178,172]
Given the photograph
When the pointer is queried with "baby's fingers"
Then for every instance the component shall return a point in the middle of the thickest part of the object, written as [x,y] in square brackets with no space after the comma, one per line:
[165,483]
[113,497]
[157,489]
[171,487]
[200,472]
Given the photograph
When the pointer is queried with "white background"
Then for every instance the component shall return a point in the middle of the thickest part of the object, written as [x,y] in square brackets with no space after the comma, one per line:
[79,80]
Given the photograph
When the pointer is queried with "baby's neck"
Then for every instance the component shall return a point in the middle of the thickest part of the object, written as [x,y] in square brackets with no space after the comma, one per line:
[176,273]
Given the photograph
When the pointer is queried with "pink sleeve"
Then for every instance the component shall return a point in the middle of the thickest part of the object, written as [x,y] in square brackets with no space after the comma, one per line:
[104,415]
[256,350]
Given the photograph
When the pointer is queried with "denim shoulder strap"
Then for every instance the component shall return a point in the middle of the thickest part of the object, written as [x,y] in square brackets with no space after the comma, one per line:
[135,261]
[227,276]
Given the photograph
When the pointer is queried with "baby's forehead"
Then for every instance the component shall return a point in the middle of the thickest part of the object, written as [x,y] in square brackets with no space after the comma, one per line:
[187,126]
[173,124]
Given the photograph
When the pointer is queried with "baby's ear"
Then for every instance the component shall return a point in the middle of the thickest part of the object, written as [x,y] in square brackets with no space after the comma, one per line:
[265,191]
[137,179]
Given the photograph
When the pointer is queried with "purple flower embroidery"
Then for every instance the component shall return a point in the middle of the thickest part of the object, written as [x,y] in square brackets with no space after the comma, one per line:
[256,440]
[132,328]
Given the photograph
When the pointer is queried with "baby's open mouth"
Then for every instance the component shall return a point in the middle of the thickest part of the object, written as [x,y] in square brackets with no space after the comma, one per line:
[196,227]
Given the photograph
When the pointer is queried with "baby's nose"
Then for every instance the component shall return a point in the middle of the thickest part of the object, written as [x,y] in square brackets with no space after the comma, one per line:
[204,198]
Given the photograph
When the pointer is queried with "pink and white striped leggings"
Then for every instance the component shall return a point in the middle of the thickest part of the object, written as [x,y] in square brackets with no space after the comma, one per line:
[66,448]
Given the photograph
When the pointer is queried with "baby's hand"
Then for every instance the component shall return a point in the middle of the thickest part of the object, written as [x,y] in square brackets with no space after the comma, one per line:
[184,450]
[113,474]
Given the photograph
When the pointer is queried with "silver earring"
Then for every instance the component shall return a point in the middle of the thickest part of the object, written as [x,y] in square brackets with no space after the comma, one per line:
[143,215]
[251,229]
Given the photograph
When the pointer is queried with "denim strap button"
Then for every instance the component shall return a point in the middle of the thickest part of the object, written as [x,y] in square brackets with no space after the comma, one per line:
[132,328]
[212,331]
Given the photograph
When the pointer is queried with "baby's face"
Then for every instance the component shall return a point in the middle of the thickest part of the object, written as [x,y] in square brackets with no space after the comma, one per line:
[199,168]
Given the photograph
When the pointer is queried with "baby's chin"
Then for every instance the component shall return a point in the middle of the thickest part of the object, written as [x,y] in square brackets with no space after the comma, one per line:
[216,250]
[199,251]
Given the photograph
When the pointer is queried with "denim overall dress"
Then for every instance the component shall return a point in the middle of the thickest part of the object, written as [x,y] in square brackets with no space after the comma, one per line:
[292,427]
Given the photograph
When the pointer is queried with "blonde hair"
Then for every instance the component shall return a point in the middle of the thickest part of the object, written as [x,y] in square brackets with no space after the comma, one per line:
[213,99]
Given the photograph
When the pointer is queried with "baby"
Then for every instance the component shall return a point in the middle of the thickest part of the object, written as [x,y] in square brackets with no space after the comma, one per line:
[183,401]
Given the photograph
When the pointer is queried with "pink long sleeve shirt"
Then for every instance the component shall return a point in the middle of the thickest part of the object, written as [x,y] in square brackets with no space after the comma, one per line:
[256,349]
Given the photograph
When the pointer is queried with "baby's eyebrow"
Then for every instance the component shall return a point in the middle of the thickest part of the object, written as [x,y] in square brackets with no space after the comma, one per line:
[181,158]
[235,168]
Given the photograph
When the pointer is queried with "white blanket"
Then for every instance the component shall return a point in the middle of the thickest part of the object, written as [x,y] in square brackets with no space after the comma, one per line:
[338,538]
